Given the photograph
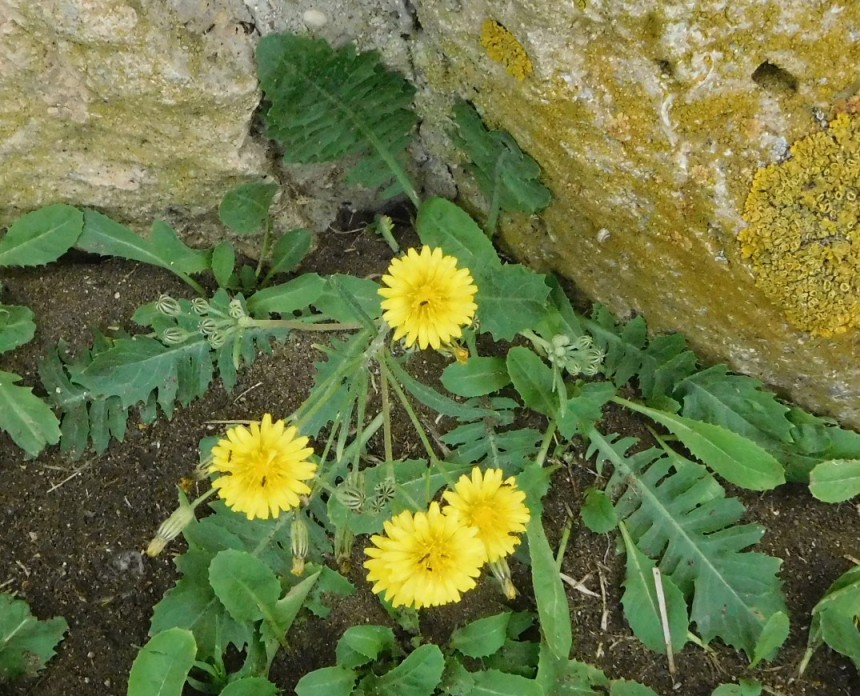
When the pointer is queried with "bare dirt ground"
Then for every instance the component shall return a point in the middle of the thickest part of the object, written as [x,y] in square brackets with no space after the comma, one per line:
[72,532]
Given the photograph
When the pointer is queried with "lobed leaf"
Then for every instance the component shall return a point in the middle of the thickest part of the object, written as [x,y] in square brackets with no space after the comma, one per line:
[29,421]
[245,208]
[532,379]
[676,512]
[444,224]
[641,604]
[735,402]
[16,326]
[162,665]
[42,236]
[328,103]
[26,643]
[510,297]
[503,171]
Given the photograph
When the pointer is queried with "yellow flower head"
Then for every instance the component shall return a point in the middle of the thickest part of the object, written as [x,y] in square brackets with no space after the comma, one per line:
[427,298]
[425,559]
[494,507]
[267,466]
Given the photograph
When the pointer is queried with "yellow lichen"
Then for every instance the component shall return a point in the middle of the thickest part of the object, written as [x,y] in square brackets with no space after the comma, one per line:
[803,238]
[503,47]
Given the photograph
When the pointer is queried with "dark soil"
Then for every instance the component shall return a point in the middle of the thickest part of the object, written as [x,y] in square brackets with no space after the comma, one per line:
[73,531]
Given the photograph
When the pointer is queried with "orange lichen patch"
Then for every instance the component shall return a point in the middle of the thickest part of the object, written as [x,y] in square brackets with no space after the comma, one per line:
[803,238]
[503,47]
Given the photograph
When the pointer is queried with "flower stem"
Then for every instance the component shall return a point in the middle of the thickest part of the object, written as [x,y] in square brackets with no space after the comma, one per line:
[300,325]
[386,423]
[545,443]
[264,247]
[401,395]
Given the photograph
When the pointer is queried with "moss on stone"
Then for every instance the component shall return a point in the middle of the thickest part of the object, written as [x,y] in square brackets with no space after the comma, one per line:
[503,47]
[803,239]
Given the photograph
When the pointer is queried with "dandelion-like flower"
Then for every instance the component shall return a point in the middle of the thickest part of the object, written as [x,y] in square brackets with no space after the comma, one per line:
[494,507]
[428,299]
[424,559]
[266,467]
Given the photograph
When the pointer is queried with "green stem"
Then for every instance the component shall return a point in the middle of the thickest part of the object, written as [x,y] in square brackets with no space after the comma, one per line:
[545,443]
[416,423]
[198,288]
[386,423]
[299,325]
[264,247]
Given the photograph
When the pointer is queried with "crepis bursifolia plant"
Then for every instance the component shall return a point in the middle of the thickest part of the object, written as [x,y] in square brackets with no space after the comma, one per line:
[287,494]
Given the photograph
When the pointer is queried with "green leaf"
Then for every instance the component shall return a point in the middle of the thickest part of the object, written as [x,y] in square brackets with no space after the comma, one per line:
[835,481]
[191,604]
[476,377]
[492,682]
[503,171]
[685,520]
[483,637]
[623,687]
[16,326]
[285,610]
[362,291]
[41,236]
[444,224]
[585,407]
[84,416]
[834,619]
[510,298]
[417,675]
[245,585]
[251,686]
[746,687]
[435,400]
[772,636]
[734,457]
[245,208]
[362,644]
[641,604]
[622,344]
[135,367]
[290,248]
[532,379]
[665,362]
[27,419]
[104,236]
[328,681]
[735,402]
[550,597]
[597,512]
[26,644]
[328,103]
[162,665]
[286,298]
[223,262]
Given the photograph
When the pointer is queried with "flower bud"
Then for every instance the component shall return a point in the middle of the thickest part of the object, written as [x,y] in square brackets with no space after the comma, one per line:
[502,572]
[235,310]
[200,306]
[168,306]
[172,527]
[174,335]
[208,326]
[299,544]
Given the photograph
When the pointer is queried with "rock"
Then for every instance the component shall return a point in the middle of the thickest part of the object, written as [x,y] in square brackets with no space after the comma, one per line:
[130,107]
[650,123]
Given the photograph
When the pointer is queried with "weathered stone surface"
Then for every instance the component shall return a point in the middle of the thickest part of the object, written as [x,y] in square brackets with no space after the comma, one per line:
[651,120]
[130,106]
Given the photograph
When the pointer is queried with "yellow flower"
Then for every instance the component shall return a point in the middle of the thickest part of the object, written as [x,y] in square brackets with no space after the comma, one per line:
[267,466]
[425,559]
[427,298]
[494,507]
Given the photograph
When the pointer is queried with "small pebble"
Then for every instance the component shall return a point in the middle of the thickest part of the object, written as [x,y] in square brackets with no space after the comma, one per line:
[314,19]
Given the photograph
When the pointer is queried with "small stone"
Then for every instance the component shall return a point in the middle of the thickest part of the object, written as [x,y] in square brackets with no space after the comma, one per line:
[314,19]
